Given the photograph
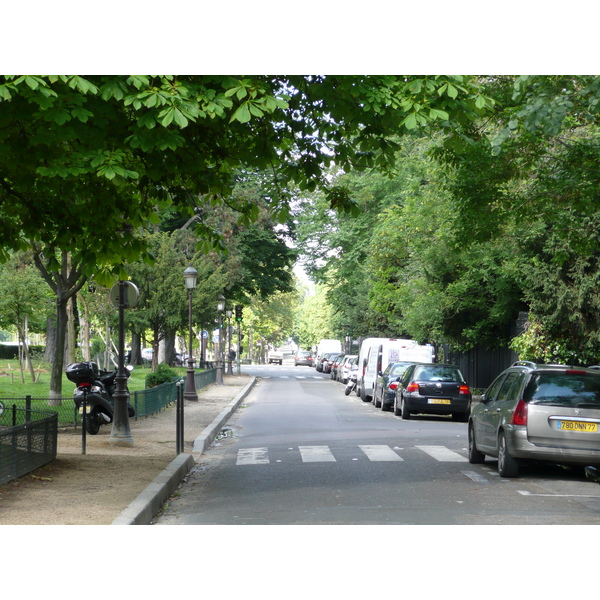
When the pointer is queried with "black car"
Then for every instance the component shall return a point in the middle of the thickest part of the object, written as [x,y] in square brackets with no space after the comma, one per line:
[386,384]
[433,389]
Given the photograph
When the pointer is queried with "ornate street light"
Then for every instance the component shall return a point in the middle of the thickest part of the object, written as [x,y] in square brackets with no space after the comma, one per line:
[190,275]
[220,309]
[229,314]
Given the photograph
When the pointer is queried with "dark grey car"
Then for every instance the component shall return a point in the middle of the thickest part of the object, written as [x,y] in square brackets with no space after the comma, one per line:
[433,388]
[548,413]
[386,384]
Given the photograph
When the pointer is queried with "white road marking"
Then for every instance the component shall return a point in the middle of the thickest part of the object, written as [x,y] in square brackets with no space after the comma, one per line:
[524,493]
[442,454]
[380,453]
[316,454]
[253,456]
[476,477]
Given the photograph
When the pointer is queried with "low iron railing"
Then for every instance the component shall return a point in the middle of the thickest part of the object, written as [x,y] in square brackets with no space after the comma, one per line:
[28,440]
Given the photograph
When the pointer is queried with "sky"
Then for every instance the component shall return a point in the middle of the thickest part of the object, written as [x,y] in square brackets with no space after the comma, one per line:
[322,37]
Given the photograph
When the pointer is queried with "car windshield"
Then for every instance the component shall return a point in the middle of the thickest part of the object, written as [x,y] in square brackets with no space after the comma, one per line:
[433,373]
[397,370]
[564,389]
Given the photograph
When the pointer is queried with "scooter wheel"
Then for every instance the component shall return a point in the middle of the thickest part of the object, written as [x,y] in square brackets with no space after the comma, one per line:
[92,423]
[347,391]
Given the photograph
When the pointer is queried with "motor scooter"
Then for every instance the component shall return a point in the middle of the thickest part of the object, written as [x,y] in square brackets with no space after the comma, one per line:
[351,385]
[97,387]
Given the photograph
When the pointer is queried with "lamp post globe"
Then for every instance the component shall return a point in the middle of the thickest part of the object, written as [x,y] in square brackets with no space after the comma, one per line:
[190,275]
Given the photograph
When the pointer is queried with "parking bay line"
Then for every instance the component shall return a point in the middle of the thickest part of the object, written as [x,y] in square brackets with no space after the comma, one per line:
[525,493]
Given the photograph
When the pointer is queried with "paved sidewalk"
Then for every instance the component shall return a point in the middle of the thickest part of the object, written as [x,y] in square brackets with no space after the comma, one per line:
[149,502]
[121,485]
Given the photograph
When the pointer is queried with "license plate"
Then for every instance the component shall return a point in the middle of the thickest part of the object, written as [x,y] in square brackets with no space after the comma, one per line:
[439,401]
[577,426]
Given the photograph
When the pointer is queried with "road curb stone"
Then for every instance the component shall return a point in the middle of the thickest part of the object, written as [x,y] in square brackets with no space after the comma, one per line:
[143,509]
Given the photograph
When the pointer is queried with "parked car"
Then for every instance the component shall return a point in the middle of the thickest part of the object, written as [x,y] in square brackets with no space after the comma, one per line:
[320,362]
[433,388]
[335,366]
[548,413]
[376,353]
[386,384]
[303,358]
[327,364]
[345,367]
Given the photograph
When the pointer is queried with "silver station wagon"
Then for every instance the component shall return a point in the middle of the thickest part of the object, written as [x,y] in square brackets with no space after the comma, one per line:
[531,412]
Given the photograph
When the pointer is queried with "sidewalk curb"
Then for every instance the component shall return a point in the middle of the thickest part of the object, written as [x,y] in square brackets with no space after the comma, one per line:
[143,509]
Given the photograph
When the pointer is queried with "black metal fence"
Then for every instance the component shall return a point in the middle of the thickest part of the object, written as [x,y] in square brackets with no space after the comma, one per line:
[28,440]
[29,426]
[146,402]
[480,366]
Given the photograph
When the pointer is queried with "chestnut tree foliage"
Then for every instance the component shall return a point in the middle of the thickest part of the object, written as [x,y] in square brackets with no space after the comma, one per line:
[463,238]
[86,162]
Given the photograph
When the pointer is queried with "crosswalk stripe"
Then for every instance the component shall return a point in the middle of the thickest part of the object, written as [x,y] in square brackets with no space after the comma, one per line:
[380,453]
[316,454]
[253,456]
[442,454]
[374,452]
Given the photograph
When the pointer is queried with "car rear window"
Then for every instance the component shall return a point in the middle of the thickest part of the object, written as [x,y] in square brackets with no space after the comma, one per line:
[450,374]
[564,389]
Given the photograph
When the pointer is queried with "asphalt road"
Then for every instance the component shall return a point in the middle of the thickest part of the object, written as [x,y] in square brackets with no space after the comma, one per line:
[299,451]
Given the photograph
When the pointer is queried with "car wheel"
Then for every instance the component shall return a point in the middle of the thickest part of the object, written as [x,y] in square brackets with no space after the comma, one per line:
[406,414]
[385,407]
[507,465]
[475,457]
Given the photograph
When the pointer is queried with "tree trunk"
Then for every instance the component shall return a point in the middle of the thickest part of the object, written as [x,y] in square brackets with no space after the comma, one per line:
[85,330]
[59,354]
[71,345]
[170,349]
[136,348]
[64,282]
[50,339]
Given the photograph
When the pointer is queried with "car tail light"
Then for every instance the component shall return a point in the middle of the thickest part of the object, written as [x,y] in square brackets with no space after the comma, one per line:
[464,389]
[412,387]
[520,413]
[393,385]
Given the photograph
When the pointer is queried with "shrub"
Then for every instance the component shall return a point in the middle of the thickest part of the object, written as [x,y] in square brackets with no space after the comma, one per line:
[163,374]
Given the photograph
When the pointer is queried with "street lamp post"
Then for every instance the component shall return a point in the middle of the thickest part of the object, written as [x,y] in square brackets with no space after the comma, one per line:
[220,309]
[121,433]
[190,275]
[229,313]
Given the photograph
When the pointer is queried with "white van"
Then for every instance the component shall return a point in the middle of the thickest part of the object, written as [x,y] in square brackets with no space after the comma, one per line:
[330,346]
[377,353]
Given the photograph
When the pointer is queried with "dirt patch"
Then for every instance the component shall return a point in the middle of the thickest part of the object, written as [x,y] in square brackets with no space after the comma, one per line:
[95,487]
